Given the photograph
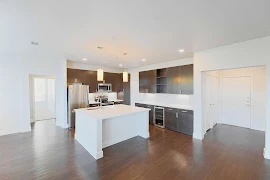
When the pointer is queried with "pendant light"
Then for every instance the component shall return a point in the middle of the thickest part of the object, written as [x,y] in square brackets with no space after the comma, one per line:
[100,71]
[125,73]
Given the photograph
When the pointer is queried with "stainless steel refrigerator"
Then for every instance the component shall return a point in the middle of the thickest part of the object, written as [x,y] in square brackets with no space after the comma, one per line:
[77,98]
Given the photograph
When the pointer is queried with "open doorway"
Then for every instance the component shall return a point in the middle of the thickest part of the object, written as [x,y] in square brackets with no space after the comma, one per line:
[42,98]
[235,97]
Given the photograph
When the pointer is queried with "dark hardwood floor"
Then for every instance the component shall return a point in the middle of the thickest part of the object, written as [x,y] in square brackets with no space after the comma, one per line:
[49,152]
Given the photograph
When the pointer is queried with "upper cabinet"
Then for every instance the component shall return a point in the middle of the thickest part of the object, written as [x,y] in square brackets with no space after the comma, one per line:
[147,81]
[186,79]
[89,77]
[172,80]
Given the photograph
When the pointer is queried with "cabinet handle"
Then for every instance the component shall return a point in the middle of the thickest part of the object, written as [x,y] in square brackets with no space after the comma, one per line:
[177,115]
[184,111]
[170,109]
[180,91]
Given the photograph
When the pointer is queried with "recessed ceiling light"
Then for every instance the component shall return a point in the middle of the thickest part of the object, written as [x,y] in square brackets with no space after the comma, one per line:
[181,50]
[84,59]
[120,65]
[143,60]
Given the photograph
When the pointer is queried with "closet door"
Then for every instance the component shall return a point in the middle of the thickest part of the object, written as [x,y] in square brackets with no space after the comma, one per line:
[212,101]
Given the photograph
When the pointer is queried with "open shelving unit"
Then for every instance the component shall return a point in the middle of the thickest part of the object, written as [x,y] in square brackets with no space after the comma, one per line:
[161,80]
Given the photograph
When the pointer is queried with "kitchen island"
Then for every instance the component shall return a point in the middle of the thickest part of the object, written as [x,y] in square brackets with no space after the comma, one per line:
[100,127]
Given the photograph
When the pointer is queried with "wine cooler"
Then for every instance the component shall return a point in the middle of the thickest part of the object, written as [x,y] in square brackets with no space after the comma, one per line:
[159,117]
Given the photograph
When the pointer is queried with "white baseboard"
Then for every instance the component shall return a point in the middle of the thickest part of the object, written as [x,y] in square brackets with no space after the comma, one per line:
[198,136]
[64,126]
[266,154]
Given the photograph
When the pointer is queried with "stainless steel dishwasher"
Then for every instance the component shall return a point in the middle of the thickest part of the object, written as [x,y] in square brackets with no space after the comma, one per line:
[159,117]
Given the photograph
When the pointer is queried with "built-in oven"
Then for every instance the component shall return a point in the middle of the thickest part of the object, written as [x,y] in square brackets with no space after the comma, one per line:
[102,87]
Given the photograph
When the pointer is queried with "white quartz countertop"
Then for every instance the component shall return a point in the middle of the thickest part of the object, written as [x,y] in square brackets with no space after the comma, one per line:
[106,112]
[178,106]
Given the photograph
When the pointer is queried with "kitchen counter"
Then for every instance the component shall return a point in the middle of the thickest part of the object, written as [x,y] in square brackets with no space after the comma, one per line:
[178,106]
[100,127]
[110,100]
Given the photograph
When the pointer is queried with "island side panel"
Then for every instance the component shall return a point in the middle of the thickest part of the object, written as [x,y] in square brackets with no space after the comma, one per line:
[88,133]
[121,128]
[143,124]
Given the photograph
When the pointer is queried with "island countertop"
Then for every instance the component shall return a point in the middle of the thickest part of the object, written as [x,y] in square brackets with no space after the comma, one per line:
[106,112]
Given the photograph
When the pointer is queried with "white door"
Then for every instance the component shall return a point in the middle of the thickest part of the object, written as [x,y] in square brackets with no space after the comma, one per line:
[44,97]
[212,101]
[236,101]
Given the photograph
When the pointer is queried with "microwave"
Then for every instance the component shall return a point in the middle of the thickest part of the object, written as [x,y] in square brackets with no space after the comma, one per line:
[104,87]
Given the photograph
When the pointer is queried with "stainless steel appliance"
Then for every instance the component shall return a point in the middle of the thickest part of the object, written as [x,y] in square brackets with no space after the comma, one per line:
[103,87]
[77,98]
[104,100]
[159,117]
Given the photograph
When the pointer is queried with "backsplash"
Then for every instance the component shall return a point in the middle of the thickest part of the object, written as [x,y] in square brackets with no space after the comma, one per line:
[111,95]
[168,98]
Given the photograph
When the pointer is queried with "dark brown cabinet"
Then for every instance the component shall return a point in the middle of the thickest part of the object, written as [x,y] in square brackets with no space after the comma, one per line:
[151,112]
[147,81]
[89,77]
[185,121]
[171,119]
[179,120]
[186,79]
[172,80]
[116,81]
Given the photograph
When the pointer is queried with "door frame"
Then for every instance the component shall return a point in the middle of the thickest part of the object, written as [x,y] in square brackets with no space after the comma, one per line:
[32,93]
[251,97]
[219,93]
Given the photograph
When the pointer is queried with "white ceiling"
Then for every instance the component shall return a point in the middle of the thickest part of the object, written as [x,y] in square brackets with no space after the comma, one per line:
[145,29]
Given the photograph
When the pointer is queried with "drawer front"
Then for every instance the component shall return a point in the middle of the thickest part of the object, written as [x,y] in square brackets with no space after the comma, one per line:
[171,109]
[185,111]
[149,106]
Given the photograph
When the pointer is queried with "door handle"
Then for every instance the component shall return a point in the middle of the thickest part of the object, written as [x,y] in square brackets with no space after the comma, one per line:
[176,115]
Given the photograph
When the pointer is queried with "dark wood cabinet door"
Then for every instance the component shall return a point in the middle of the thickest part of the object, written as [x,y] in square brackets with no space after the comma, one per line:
[116,81]
[151,113]
[107,77]
[173,80]
[91,80]
[151,81]
[186,75]
[143,82]
[171,119]
[74,76]
[185,122]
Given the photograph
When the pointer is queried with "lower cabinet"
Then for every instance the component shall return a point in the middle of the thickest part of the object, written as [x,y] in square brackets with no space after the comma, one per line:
[179,120]
[151,112]
[171,119]
[185,121]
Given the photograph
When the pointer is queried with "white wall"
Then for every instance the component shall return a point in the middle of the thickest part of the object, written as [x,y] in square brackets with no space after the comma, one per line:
[245,54]
[84,66]
[258,75]
[15,97]
[258,98]
[163,98]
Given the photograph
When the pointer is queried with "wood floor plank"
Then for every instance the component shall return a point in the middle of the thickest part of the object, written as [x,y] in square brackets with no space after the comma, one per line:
[50,152]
